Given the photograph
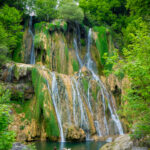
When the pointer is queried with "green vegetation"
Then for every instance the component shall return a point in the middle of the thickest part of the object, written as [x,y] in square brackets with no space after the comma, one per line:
[43,105]
[67,53]
[45,9]
[75,65]
[95,92]
[10,29]
[69,11]
[85,83]
[101,42]
[6,137]
[136,66]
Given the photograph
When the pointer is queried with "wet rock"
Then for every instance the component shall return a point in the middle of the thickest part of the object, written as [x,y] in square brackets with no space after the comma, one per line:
[139,148]
[75,134]
[19,146]
[20,90]
[85,71]
[122,142]
[113,130]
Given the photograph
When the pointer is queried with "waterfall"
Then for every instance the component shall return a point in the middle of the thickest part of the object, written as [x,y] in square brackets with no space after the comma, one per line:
[82,119]
[32,54]
[77,53]
[55,98]
[10,72]
[112,110]
[88,99]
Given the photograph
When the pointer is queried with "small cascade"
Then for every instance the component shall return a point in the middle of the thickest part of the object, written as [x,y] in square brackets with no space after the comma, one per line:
[104,92]
[77,53]
[97,126]
[79,111]
[10,72]
[32,54]
[56,100]
[88,99]
[84,119]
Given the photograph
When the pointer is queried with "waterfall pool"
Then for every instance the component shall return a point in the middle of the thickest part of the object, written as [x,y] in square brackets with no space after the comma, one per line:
[90,145]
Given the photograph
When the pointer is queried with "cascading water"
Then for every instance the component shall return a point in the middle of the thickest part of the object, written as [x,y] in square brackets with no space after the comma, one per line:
[77,53]
[78,106]
[10,71]
[74,107]
[32,54]
[84,123]
[56,99]
[112,110]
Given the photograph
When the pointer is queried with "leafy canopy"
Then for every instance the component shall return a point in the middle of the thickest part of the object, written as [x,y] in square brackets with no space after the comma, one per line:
[10,19]
[70,11]
[45,9]
[136,66]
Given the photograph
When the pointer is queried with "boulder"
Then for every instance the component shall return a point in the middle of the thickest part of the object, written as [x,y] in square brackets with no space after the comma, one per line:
[19,146]
[122,142]
[75,134]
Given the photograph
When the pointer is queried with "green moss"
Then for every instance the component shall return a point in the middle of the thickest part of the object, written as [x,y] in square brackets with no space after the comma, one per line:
[51,26]
[101,42]
[75,65]
[65,26]
[23,107]
[39,26]
[42,112]
[82,41]
[95,92]
[16,72]
[67,53]
[85,84]
[38,43]
[58,63]
[67,59]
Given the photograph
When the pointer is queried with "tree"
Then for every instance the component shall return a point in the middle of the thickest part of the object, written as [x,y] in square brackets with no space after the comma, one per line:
[139,7]
[109,12]
[70,11]
[10,19]
[45,9]
[136,66]
[3,45]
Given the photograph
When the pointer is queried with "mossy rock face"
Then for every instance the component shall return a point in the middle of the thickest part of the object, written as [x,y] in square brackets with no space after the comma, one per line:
[75,134]
[22,70]
[27,45]
[44,106]
[58,25]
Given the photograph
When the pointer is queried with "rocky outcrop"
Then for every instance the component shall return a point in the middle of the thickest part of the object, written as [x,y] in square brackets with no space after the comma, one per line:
[19,146]
[17,78]
[75,134]
[79,100]
[122,142]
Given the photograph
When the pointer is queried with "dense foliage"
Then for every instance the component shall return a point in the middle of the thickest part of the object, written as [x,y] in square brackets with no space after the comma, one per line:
[10,28]
[6,136]
[45,9]
[106,12]
[135,65]
[69,11]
